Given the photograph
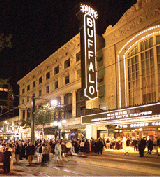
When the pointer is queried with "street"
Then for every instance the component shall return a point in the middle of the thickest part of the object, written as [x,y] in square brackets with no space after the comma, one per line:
[107,164]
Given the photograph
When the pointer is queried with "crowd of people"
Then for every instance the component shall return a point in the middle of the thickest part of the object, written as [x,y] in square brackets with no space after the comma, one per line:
[18,150]
[15,151]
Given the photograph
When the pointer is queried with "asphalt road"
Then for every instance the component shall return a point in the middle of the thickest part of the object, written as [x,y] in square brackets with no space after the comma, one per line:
[108,164]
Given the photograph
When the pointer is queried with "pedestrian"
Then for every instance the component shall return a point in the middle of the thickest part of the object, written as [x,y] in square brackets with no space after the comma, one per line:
[39,153]
[58,151]
[17,152]
[150,146]
[99,146]
[141,147]
[63,147]
[48,151]
[6,161]
[30,151]
[86,146]
[12,150]
[44,149]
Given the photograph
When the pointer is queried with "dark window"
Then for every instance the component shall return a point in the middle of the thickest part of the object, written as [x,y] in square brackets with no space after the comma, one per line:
[56,70]
[66,79]
[34,94]
[78,56]
[28,113]
[47,89]
[23,114]
[27,98]
[48,75]
[40,80]
[56,84]
[28,87]
[22,90]
[67,63]
[40,92]
[34,83]
[68,105]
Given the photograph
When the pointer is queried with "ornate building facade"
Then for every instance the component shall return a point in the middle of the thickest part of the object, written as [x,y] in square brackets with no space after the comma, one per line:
[128,79]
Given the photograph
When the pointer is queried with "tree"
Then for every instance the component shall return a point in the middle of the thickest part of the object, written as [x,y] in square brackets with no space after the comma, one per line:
[3,82]
[5,41]
[43,115]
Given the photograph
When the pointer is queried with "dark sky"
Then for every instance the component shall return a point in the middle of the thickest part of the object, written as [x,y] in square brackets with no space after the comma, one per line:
[40,27]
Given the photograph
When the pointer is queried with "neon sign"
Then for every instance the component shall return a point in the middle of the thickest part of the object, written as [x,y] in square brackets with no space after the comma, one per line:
[88,51]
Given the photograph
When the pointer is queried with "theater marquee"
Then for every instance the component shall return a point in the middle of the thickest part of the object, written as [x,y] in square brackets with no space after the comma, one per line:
[88,18]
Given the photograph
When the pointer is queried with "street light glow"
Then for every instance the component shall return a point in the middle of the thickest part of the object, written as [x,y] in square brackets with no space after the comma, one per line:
[54,102]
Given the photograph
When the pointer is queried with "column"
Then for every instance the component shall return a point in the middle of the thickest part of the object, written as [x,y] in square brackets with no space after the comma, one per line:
[74,103]
[62,99]
[91,131]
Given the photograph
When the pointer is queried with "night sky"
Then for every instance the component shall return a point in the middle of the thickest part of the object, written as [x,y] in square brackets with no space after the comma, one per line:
[40,27]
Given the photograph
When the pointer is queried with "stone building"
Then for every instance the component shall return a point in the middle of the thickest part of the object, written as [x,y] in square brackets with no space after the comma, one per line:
[131,58]
[128,77]
[58,78]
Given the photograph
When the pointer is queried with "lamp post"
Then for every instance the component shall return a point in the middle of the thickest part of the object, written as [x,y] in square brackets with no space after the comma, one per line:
[33,121]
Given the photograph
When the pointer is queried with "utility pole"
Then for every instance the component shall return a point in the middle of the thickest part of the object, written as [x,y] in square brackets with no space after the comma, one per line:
[33,121]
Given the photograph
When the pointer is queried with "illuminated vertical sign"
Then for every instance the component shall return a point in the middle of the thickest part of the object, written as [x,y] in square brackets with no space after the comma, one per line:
[88,51]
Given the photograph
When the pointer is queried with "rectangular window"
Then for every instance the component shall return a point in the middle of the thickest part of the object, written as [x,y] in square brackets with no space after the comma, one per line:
[27,98]
[28,87]
[56,70]
[66,79]
[23,114]
[48,75]
[67,63]
[56,84]
[40,80]
[40,92]
[22,91]
[34,94]
[47,89]
[78,56]
[34,84]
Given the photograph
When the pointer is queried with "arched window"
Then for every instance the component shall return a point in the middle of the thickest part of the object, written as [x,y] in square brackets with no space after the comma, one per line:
[143,71]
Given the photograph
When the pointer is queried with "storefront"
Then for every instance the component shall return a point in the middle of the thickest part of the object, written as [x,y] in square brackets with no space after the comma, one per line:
[136,122]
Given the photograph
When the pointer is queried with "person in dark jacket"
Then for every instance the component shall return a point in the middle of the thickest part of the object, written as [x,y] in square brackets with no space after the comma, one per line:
[86,146]
[141,147]
[150,146]
[30,151]
[99,146]
[6,161]
[17,152]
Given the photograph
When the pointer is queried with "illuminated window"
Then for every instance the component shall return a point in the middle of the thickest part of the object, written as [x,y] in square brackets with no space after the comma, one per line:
[66,79]
[142,71]
[67,63]
[56,84]
[40,80]
[48,75]
[56,70]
